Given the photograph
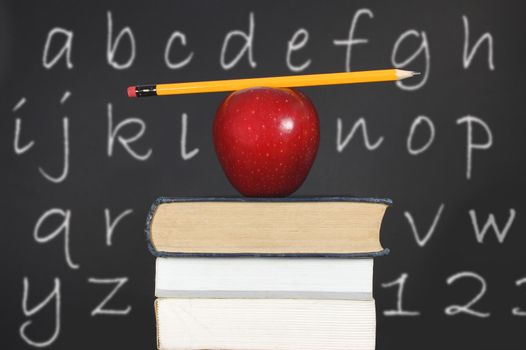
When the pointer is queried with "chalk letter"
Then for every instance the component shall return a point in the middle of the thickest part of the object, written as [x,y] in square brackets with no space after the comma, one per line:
[55,294]
[303,36]
[399,309]
[490,222]
[65,168]
[468,57]
[112,46]
[64,226]
[424,47]
[110,226]
[184,128]
[360,123]
[16,144]
[350,41]
[182,63]
[100,310]
[469,119]
[416,123]
[65,50]
[112,133]
[249,41]
[19,104]
[18,126]
[422,241]
[516,311]
[456,309]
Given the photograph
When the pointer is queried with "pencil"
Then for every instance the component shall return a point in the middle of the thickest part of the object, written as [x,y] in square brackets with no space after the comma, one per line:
[276,82]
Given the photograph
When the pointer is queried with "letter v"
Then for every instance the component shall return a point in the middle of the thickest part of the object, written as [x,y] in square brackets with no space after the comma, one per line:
[422,241]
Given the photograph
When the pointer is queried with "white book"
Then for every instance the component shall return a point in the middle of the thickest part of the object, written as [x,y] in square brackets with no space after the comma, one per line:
[303,278]
[262,324]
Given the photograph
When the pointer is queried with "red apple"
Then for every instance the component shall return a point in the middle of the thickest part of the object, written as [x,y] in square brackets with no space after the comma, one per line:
[266,140]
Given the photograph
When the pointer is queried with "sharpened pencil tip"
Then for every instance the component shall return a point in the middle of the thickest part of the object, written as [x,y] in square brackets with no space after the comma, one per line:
[404,74]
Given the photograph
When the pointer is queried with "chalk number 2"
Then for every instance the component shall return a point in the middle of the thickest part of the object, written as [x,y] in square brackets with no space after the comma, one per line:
[466,308]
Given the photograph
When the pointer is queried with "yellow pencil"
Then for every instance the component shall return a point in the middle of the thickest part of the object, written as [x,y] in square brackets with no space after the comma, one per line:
[276,82]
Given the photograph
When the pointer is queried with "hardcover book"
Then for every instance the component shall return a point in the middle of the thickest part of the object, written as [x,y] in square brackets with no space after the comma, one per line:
[314,226]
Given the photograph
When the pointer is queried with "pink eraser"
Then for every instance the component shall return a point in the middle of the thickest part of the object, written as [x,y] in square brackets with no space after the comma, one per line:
[132,93]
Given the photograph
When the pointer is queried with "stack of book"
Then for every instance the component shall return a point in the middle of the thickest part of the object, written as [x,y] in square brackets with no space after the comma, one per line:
[255,274]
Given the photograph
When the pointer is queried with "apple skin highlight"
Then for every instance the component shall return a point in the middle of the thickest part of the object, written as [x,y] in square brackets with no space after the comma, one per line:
[266,140]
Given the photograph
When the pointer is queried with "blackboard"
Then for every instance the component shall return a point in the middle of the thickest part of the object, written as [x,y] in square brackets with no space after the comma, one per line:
[448,148]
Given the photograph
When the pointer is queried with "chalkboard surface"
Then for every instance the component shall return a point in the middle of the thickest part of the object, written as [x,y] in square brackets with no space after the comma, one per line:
[82,163]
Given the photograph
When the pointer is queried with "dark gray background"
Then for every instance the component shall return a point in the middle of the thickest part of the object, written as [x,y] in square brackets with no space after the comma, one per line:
[418,184]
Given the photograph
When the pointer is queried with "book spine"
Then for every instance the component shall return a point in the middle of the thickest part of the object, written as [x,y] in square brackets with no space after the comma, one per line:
[147,229]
